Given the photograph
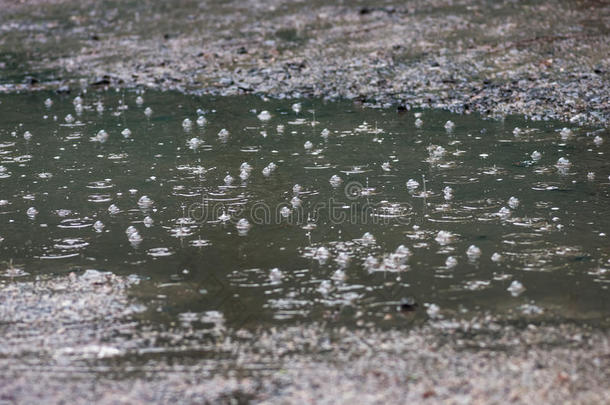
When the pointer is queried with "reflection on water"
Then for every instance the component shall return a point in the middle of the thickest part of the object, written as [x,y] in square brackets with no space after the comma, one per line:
[254,211]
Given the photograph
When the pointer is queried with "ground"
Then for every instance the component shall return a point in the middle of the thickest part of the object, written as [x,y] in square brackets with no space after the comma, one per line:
[540,59]
[65,337]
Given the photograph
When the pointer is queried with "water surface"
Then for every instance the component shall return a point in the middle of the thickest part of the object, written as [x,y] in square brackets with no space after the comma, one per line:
[348,250]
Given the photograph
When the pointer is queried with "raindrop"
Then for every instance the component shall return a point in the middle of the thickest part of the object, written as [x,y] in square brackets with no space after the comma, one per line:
[296,189]
[126,133]
[69,119]
[386,167]
[48,103]
[513,202]
[224,217]
[308,145]
[598,140]
[223,133]
[148,111]
[565,133]
[113,209]
[325,132]
[228,180]
[419,123]
[591,176]
[536,155]
[433,311]
[187,124]
[27,135]
[296,107]
[148,222]
[201,121]
[139,100]
[444,237]
[339,275]
[451,262]
[449,125]
[194,143]
[342,259]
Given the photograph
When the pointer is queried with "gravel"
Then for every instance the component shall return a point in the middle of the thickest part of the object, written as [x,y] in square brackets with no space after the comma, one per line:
[544,60]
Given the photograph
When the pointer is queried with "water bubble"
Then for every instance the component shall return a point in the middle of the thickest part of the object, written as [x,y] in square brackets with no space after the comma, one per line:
[148,111]
[386,167]
[339,275]
[134,238]
[591,176]
[448,193]
[449,125]
[223,133]
[78,108]
[32,212]
[325,133]
[48,103]
[264,115]
[433,311]
[295,201]
[517,131]
[565,133]
[342,259]
[513,202]
[444,237]
[280,129]
[27,135]
[285,212]
[322,254]
[98,226]
[275,275]
[367,238]
[245,166]
[473,252]
[335,181]
[296,107]
[308,145]
[228,180]
[69,119]
[412,184]
[100,107]
[504,213]
[243,226]
[101,136]
[266,171]
[201,121]
[325,287]
[563,163]
[419,123]
[244,174]
[187,124]
[536,155]
[77,101]
[126,133]
[496,257]
[113,209]
[130,229]
[515,288]
[139,100]
[296,189]
[436,151]
[148,222]
[194,143]
[145,202]
[451,262]
[598,140]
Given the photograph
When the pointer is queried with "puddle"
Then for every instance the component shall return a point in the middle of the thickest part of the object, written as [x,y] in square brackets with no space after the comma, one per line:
[262,212]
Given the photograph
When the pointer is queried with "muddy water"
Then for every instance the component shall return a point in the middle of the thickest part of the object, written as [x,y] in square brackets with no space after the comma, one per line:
[322,225]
